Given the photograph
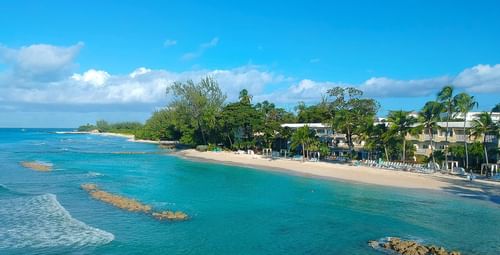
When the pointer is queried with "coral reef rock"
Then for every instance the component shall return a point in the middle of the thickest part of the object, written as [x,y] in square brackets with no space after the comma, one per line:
[131,204]
[37,166]
[408,247]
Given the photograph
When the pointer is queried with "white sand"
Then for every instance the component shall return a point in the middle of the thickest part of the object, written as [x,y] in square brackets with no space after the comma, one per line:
[360,174]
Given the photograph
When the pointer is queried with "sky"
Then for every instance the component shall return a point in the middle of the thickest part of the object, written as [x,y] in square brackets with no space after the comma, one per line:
[68,63]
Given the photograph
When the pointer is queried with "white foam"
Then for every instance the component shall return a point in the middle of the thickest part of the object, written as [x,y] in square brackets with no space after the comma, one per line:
[41,221]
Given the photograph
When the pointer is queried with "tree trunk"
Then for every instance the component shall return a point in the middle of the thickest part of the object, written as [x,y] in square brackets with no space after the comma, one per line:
[202,133]
[230,141]
[446,140]
[432,148]
[404,149]
[465,146]
[386,155]
[303,152]
[485,149]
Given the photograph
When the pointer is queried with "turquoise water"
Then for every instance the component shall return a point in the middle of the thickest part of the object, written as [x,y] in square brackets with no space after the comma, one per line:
[234,210]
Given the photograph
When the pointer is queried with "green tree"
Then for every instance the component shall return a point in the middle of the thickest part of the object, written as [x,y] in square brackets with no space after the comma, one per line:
[245,97]
[197,106]
[445,96]
[484,126]
[350,112]
[464,104]
[160,126]
[496,108]
[302,137]
[428,119]
[401,123]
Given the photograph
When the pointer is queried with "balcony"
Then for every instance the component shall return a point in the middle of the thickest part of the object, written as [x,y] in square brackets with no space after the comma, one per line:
[423,151]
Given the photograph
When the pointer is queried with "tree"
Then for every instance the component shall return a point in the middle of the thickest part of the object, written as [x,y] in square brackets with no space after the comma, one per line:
[196,105]
[484,126]
[465,103]
[401,123]
[350,113]
[238,121]
[496,108]
[160,126]
[302,136]
[245,98]
[445,96]
[428,118]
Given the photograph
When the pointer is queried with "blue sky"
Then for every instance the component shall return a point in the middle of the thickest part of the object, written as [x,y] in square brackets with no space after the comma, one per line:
[67,63]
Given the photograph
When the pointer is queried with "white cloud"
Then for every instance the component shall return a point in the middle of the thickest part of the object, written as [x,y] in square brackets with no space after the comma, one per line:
[40,61]
[480,79]
[169,42]
[93,77]
[147,86]
[201,49]
[386,87]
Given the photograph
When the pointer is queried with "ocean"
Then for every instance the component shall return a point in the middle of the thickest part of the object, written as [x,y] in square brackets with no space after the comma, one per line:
[232,210]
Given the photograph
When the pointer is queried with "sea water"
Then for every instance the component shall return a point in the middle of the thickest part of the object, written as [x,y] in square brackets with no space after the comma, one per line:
[233,210]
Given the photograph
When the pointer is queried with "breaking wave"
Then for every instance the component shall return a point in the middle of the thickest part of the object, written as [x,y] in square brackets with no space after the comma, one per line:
[42,222]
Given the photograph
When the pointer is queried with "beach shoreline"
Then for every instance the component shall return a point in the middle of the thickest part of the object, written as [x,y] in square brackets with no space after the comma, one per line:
[130,138]
[353,174]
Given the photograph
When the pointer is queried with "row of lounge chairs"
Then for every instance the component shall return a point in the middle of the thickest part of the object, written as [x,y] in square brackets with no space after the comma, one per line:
[400,166]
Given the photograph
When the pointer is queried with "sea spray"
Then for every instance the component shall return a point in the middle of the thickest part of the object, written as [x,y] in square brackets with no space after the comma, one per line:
[41,222]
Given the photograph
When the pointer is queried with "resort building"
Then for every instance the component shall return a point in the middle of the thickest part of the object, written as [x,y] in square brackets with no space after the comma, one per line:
[422,142]
[456,135]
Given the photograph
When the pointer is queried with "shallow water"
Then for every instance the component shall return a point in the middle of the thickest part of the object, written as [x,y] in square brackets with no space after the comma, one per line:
[234,210]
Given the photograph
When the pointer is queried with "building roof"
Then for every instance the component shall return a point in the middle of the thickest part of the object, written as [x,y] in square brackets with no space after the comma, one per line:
[311,125]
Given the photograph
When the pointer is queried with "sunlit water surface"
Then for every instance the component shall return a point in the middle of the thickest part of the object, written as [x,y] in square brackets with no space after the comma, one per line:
[233,210]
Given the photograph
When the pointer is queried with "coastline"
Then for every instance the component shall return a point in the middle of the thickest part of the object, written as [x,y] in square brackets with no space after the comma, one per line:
[354,174]
[130,138]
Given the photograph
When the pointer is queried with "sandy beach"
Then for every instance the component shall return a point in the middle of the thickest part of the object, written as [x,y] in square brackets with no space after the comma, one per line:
[359,174]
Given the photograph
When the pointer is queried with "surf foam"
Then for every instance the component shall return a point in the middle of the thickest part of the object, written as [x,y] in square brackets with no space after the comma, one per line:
[41,222]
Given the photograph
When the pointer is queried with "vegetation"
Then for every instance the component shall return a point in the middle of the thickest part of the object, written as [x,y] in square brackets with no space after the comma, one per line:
[199,116]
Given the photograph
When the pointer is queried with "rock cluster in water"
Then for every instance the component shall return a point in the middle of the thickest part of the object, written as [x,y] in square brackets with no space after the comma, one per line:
[118,201]
[408,247]
[131,204]
[37,166]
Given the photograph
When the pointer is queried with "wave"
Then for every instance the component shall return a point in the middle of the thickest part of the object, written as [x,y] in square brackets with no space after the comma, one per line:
[94,174]
[42,222]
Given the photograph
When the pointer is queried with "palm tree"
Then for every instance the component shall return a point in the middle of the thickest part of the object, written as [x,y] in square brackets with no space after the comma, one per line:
[244,97]
[428,119]
[402,123]
[465,103]
[302,137]
[484,126]
[445,96]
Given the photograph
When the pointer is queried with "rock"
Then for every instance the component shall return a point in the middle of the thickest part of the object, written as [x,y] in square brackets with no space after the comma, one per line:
[408,247]
[374,244]
[37,166]
[170,215]
[115,200]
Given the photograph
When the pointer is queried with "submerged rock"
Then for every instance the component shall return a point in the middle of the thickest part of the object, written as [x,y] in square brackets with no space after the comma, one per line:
[409,247]
[115,200]
[131,204]
[37,166]
[170,215]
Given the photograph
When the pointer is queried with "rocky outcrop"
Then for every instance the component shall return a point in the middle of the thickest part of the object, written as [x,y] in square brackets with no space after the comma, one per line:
[170,215]
[131,204]
[116,200]
[37,166]
[408,247]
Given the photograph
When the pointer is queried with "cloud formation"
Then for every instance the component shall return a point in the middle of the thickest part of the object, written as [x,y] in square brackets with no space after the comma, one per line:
[169,42]
[45,75]
[201,49]
[41,62]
